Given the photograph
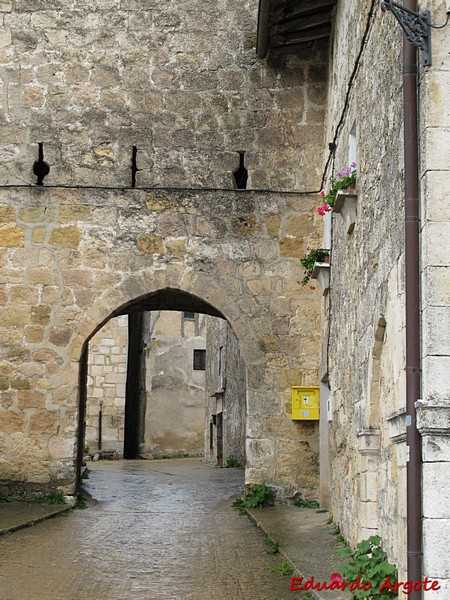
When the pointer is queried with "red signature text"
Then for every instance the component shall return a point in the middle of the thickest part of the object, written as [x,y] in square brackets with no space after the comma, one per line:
[297,585]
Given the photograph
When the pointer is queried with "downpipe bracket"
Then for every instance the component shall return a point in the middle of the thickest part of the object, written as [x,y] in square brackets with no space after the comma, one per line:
[416,26]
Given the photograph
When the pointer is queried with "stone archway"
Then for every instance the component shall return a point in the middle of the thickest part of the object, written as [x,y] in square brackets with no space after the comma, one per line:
[105,251]
[168,299]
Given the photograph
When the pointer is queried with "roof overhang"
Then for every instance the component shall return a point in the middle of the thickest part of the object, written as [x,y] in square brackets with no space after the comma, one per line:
[288,26]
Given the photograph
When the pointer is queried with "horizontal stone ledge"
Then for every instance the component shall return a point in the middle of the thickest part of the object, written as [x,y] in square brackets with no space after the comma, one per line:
[433,418]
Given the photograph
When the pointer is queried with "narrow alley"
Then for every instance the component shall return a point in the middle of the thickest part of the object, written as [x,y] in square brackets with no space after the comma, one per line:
[156,530]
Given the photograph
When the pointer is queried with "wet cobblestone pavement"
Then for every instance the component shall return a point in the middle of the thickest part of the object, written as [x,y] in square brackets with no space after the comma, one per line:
[158,530]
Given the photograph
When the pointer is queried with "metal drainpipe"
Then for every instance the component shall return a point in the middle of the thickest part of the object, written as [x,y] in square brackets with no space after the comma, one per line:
[412,300]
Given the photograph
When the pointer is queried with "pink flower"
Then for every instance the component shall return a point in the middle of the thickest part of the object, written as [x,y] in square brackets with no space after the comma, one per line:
[322,192]
[323,209]
[336,578]
[308,248]
[298,281]
[312,287]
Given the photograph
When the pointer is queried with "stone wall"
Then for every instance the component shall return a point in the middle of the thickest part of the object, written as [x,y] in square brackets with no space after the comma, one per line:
[98,252]
[363,360]
[181,83]
[175,413]
[226,396]
[107,375]
[175,408]
[434,407]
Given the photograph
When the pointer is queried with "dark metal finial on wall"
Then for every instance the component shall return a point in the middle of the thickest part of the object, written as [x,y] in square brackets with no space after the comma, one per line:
[40,167]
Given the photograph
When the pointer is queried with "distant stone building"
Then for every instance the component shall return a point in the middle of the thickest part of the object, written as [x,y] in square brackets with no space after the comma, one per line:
[106,386]
[226,396]
[175,374]
[175,385]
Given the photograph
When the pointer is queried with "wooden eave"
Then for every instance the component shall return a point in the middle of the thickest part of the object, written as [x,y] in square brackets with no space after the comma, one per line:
[285,26]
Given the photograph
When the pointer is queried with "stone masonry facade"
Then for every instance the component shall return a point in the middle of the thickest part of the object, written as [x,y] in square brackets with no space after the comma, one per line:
[106,384]
[175,391]
[175,91]
[363,359]
[181,84]
[225,424]
[175,411]
[242,259]
[92,79]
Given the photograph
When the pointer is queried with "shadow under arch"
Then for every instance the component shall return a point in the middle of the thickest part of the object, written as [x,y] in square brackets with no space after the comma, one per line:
[164,299]
[169,299]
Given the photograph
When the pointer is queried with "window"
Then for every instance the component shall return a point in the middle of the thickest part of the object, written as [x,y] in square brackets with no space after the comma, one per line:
[187,314]
[199,360]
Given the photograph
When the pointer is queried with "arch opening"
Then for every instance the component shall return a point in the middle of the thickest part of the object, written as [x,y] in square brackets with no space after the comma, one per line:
[152,383]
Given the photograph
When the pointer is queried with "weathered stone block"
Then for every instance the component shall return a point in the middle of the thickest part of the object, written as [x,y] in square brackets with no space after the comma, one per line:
[40,314]
[7,214]
[18,315]
[176,247]
[436,538]
[150,244]
[11,237]
[290,377]
[269,343]
[38,236]
[44,422]
[436,495]
[298,225]
[74,212]
[31,399]
[65,237]
[292,247]
[20,384]
[12,422]
[436,337]
[61,447]
[259,287]
[60,336]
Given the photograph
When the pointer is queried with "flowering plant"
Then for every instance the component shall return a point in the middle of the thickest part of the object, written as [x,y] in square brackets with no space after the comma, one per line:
[313,255]
[369,563]
[341,181]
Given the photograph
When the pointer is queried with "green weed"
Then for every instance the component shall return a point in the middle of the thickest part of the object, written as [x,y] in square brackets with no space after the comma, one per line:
[257,496]
[80,503]
[369,562]
[232,461]
[282,568]
[272,547]
[305,503]
[54,497]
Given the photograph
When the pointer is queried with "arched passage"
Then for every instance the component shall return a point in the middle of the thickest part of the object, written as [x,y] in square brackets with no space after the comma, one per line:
[168,299]
[228,254]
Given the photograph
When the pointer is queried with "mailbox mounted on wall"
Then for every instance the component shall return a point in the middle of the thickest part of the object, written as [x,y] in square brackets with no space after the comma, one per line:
[305,403]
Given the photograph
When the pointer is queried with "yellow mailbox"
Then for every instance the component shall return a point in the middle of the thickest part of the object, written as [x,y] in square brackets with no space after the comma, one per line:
[305,403]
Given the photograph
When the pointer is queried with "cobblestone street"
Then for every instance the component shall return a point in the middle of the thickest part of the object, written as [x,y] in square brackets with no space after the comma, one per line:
[158,530]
